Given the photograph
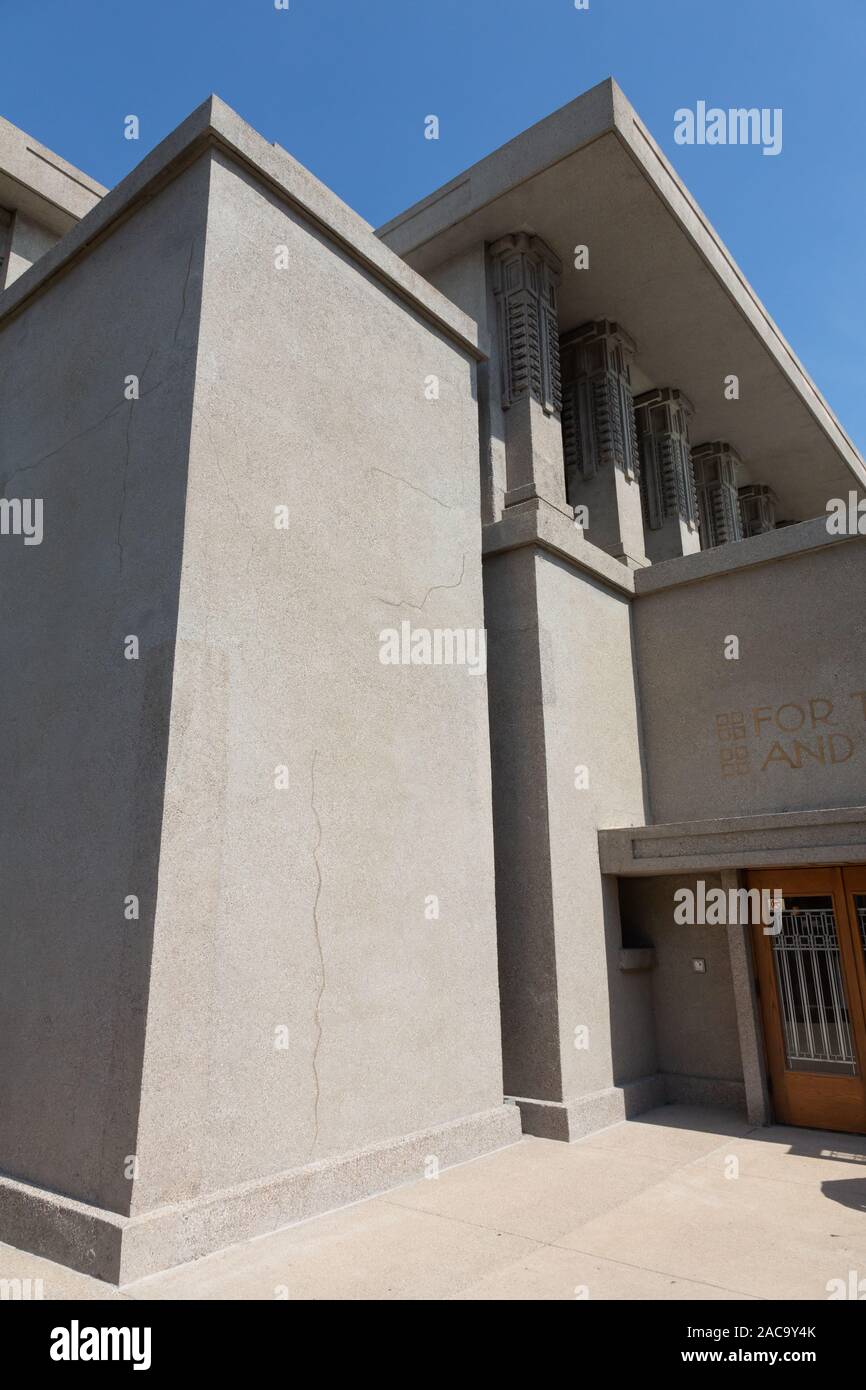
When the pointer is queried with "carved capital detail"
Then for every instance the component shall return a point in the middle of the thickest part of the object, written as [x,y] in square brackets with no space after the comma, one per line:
[526,276]
[715,468]
[757,509]
[598,424]
[667,478]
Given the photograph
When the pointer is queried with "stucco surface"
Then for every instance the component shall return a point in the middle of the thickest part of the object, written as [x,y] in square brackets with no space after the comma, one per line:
[36,181]
[86,729]
[524,893]
[303,908]
[27,241]
[562,699]
[591,721]
[694,1014]
[467,282]
[782,727]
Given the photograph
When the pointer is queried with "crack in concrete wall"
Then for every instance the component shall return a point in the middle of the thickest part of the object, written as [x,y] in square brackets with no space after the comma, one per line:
[405,481]
[122,509]
[404,603]
[317,930]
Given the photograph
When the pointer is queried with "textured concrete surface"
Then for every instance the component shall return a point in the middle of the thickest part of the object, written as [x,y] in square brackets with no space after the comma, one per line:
[566,757]
[28,240]
[799,539]
[308,992]
[81,813]
[215,124]
[41,197]
[118,1249]
[649,1209]
[311,896]
[40,184]
[695,1018]
[748,1010]
[782,727]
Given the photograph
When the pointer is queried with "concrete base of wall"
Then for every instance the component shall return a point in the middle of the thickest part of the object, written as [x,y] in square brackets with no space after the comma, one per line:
[570,1120]
[574,1119]
[119,1249]
[704,1090]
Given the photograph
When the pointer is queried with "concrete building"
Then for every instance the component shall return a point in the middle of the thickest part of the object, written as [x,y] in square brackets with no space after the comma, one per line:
[309,888]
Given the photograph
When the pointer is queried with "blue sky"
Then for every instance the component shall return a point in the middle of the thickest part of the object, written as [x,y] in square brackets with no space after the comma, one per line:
[345,85]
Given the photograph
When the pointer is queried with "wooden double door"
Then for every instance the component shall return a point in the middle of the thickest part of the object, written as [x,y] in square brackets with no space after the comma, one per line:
[811,971]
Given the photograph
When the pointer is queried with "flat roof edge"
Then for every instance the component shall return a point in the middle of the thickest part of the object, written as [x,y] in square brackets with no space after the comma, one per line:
[652,161]
[214,124]
[40,183]
[578,123]
[605,109]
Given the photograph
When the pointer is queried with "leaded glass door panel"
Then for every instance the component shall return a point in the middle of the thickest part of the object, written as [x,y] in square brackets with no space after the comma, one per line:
[812,983]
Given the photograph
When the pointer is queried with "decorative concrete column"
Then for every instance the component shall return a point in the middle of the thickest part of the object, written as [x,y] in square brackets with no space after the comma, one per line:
[715,467]
[667,482]
[526,276]
[757,509]
[602,464]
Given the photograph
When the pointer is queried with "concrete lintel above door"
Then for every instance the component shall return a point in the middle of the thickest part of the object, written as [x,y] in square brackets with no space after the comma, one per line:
[795,838]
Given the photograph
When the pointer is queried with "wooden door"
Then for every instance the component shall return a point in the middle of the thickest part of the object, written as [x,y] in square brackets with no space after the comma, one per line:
[811,971]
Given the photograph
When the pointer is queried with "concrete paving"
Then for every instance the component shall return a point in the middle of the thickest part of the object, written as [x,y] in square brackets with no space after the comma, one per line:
[681,1203]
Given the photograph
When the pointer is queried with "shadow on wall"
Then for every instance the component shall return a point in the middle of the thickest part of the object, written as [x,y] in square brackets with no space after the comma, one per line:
[86,727]
[670,1016]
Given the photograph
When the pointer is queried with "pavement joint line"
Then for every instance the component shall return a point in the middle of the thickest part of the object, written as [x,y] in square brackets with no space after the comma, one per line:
[556,1244]
[473,1225]
[664,1273]
[500,1230]
[684,1162]
[717,1148]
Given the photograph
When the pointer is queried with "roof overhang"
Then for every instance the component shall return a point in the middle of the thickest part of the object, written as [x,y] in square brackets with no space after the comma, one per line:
[38,183]
[591,174]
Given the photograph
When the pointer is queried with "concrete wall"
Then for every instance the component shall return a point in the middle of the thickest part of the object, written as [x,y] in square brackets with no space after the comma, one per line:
[634,1051]
[303,908]
[27,241]
[694,1014]
[524,889]
[41,197]
[467,281]
[41,184]
[85,729]
[783,728]
[591,721]
[562,698]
